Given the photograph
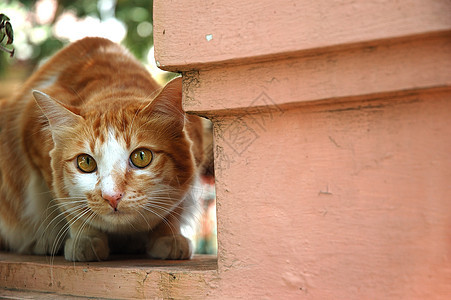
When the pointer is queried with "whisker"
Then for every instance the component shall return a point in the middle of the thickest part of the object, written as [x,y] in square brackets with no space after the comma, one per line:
[171,227]
[63,231]
[82,228]
[145,220]
[172,212]
[74,214]
[74,220]
[59,216]
[52,224]
[61,234]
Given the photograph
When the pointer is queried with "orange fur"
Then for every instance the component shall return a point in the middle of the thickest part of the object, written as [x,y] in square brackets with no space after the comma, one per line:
[93,97]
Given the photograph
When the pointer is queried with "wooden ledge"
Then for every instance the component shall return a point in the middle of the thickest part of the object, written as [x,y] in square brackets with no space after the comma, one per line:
[393,66]
[198,263]
[120,277]
[232,30]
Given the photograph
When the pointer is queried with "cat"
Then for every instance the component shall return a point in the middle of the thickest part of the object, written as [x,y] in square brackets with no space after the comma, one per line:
[93,150]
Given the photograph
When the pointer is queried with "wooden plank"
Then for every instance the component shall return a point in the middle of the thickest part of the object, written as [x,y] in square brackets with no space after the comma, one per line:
[18,294]
[194,32]
[119,278]
[199,262]
[395,66]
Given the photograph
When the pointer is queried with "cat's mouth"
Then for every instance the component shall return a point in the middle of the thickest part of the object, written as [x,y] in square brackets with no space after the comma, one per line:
[118,215]
[117,212]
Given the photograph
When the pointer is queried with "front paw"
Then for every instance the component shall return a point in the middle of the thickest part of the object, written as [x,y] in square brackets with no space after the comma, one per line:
[86,248]
[171,247]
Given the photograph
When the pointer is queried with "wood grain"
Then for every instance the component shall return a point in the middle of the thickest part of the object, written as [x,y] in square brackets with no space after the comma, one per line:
[388,67]
[195,32]
[120,278]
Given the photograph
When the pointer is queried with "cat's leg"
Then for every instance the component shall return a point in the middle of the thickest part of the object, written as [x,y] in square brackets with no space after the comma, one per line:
[166,241]
[86,244]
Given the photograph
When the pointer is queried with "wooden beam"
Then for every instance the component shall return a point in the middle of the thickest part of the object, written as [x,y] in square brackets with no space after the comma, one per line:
[191,33]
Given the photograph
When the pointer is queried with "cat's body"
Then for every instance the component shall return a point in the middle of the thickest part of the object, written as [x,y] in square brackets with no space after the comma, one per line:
[110,156]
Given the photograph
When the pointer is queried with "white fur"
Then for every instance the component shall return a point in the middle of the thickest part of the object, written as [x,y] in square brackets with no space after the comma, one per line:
[81,184]
[48,81]
[113,160]
[40,221]
[192,211]
[37,198]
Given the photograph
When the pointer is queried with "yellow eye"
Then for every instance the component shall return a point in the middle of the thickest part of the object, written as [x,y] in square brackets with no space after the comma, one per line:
[86,163]
[141,157]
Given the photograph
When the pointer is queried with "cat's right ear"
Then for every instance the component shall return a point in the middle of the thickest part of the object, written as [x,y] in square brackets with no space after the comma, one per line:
[58,115]
[169,104]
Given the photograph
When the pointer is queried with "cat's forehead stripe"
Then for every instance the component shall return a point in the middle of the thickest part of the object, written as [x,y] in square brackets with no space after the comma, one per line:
[113,151]
[114,123]
[96,126]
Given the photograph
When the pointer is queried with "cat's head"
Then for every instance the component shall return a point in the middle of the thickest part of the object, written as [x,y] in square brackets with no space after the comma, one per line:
[122,163]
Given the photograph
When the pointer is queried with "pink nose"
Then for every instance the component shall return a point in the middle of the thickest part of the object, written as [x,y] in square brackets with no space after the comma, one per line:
[113,198]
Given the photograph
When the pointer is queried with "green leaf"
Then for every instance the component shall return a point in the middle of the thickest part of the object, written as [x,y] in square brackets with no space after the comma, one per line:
[9,33]
[3,18]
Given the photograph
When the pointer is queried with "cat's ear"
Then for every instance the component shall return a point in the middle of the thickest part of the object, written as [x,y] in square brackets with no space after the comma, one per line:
[169,103]
[58,115]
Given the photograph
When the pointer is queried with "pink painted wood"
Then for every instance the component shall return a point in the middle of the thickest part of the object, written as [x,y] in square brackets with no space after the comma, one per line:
[195,32]
[332,162]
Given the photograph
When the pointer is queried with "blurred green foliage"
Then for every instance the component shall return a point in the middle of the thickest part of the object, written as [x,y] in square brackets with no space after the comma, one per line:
[133,13]
[136,15]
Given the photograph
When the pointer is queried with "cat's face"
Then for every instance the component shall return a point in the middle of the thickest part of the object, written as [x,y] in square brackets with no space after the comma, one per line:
[123,166]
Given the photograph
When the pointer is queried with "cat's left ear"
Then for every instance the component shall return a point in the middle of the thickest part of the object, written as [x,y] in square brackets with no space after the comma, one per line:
[59,116]
[169,103]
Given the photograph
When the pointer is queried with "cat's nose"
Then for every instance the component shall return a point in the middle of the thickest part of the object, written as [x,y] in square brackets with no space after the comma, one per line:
[113,198]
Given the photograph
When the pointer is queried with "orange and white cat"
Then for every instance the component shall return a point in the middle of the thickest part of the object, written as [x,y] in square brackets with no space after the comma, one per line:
[92,151]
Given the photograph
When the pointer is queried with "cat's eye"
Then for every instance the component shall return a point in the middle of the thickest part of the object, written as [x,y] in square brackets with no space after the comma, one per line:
[141,157]
[86,163]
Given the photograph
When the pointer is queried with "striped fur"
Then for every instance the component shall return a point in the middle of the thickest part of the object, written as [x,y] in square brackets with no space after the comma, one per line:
[94,98]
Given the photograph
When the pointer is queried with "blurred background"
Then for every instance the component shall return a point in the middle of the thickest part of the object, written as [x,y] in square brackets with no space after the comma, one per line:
[43,27]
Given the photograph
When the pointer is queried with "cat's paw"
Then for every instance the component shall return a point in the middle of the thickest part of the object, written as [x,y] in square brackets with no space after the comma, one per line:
[171,247]
[86,248]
